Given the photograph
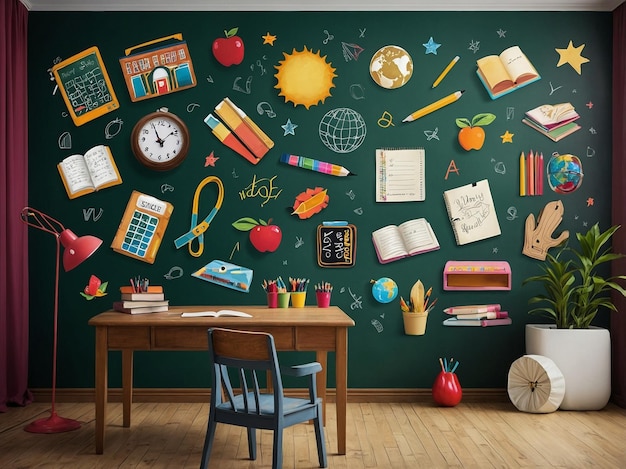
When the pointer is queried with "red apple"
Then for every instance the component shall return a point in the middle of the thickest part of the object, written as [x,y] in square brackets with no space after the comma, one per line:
[228,50]
[446,389]
[264,236]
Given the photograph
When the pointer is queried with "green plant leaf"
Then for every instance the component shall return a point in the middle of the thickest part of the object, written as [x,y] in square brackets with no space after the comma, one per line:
[231,32]
[485,118]
[463,122]
[103,287]
[245,224]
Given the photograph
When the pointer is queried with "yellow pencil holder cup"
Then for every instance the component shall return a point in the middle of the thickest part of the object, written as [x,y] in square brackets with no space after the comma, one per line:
[414,323]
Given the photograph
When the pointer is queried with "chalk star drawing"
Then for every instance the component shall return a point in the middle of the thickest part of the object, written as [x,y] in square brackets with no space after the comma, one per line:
[507,137]
[431,46]
[501,33]
[474,46]
[589,105]
[573,56]
[289,128]
[269,39]
[590,201]
[210,160]
[430,134]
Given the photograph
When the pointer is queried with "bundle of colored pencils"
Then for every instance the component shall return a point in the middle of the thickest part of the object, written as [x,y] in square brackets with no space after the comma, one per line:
[418,301]
[531,173]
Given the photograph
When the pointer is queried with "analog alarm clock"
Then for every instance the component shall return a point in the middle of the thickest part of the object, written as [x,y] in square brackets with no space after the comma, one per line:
[160,140]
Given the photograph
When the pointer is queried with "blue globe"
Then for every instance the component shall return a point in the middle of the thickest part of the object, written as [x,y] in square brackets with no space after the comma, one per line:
[565,173]
[384,290]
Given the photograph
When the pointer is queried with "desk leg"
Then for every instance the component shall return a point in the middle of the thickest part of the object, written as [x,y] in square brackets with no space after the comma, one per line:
[101,386]
[341,377]
[127,385]
[321,379]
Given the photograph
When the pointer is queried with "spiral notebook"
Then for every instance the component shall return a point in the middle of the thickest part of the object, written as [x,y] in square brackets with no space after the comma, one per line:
[471,212]
[400,175]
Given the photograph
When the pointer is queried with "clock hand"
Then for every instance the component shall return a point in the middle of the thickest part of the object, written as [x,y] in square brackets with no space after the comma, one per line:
[159,140]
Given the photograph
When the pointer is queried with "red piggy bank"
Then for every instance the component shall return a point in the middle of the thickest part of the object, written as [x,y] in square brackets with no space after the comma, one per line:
[447,390]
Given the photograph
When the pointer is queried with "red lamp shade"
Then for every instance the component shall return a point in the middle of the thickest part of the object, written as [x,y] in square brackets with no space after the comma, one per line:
[77,249]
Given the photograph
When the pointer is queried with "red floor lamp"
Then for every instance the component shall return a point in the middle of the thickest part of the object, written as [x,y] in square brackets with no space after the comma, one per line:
[76,250]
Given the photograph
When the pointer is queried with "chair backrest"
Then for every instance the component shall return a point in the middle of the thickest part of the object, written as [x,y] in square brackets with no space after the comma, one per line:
[246,355]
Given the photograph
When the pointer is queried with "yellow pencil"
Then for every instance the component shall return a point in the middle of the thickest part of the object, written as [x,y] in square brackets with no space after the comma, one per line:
[446,70]
[434,106]
[522,175]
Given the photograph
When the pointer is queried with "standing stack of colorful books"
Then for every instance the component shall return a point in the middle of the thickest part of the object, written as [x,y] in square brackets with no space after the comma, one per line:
[477,315]
[554,121]
[141,299]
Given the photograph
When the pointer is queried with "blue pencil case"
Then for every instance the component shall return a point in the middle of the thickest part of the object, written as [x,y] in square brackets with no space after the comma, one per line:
[226,274]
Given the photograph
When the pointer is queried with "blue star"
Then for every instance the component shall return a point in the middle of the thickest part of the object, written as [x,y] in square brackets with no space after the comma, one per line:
[431,46]
[289,128]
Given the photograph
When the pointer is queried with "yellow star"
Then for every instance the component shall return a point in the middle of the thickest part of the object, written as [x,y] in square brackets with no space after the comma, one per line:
[507,137]
[269,39]
[572,56]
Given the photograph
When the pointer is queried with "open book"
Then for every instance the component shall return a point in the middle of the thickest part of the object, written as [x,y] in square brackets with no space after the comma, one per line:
[551,116]
[400,175]
[216,314]
[408,239]
[84,174]
[509,71]
[472,212]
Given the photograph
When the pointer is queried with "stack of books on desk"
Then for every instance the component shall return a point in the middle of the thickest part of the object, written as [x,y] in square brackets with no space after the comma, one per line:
[151,300]
[477,315]
[554,121]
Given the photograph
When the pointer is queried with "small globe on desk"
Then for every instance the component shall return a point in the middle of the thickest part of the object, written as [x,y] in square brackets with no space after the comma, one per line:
[565,173]
[391,67]
[384,290]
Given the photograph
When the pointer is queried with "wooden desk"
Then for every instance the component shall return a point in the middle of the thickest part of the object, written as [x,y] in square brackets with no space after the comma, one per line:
[302,329]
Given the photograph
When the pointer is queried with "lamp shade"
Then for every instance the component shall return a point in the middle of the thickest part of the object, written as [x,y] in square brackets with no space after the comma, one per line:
[77,249]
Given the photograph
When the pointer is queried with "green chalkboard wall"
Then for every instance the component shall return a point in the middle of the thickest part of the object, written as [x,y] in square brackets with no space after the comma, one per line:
[380,354]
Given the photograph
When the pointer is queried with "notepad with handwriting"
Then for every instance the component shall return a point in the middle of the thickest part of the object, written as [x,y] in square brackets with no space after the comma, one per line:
[472,212]
[400,175]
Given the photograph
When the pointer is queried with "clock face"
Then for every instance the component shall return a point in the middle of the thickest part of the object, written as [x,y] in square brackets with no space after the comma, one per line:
[160,141]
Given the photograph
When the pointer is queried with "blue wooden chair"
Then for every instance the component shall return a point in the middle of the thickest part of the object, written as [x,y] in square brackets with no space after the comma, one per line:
[246,355]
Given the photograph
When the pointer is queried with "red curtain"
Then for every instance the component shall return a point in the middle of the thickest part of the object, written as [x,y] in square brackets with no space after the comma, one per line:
[618,319]
[13,197]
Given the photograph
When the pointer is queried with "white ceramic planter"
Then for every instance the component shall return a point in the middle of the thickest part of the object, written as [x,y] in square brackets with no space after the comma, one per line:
[584,358]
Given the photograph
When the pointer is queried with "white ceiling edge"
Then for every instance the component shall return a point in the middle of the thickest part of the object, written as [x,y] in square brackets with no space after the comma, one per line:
[321,5]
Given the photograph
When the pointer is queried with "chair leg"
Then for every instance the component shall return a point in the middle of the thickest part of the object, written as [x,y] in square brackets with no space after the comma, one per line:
[319,437]
[208,444]
[277,455]
[252,443]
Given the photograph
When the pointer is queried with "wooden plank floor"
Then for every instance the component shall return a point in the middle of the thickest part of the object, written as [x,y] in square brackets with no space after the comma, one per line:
[380,435]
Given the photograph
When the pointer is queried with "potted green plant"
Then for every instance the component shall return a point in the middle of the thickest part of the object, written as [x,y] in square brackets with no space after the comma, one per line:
[576,289]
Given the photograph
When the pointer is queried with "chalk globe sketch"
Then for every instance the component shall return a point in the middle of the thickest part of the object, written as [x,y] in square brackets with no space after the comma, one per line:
[342,130]
[384,290]
[565,173]
[391,67]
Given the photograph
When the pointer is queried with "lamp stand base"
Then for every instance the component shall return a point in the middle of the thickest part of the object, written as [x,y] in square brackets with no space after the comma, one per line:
[52,424]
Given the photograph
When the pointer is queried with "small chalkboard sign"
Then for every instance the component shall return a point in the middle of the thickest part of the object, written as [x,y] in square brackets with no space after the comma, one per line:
[336,244]
[85,86]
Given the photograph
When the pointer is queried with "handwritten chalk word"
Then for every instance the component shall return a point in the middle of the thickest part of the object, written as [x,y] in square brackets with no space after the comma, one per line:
[351,195]
[263,188]
[265,108]
[357,303]
[166,188]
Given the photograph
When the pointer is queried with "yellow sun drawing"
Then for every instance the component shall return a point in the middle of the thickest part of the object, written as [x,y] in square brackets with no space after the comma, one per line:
[304,78]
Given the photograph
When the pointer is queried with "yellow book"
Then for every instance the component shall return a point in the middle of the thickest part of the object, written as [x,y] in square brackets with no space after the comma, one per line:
[506,72]
[84,174]
[244,128]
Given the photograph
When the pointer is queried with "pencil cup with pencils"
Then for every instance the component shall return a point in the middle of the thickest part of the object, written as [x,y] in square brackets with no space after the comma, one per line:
[322,294]
[415,311]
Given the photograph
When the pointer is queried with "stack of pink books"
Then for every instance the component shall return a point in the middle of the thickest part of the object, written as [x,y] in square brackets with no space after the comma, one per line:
[477,315]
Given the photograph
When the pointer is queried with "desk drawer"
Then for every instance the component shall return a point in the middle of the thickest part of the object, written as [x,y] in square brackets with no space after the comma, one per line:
[315,338]
[180,338]
[136,338]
